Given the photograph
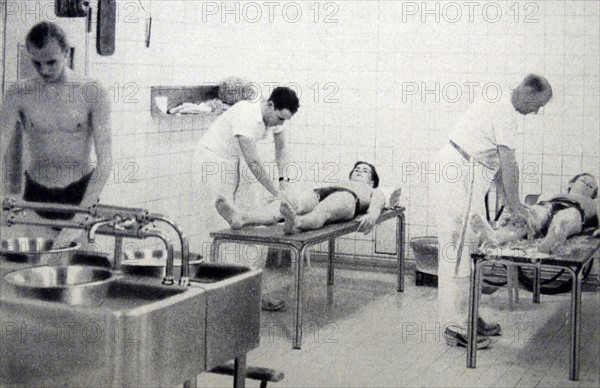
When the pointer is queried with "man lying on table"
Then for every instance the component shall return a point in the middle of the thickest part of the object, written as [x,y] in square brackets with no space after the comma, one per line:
[555,217]
[356,198]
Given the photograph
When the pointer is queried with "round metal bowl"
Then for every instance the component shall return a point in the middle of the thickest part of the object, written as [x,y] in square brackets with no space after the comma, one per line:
[74,285]
[152,263]
[37,251]
[425,250]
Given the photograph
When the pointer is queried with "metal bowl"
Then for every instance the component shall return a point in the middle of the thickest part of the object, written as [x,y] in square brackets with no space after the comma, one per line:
[153,262]
[74,285]
[37,251]
[425,250]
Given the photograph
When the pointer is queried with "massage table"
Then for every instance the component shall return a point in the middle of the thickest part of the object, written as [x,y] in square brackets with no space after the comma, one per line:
[298,244]
[573,257]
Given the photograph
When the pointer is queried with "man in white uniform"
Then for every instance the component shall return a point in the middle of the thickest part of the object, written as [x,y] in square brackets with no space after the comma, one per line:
[231,139]
[481,147]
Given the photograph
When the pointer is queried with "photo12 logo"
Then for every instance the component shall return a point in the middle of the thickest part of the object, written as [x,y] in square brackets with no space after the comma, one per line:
[270,11]
[470,11]
[28,11]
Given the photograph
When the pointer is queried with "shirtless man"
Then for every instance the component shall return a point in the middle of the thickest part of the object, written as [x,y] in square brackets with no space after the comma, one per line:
[555,216]
[311,209]
[63,116]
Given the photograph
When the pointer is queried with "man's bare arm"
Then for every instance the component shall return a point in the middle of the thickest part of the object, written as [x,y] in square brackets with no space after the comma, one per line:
[256,165]
[9,116]
[282,156]
[101,132]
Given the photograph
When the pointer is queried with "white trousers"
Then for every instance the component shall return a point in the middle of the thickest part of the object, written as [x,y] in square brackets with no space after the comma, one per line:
[459,180]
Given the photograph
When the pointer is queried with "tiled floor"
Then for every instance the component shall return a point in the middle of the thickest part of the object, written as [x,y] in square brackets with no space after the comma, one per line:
[362,333]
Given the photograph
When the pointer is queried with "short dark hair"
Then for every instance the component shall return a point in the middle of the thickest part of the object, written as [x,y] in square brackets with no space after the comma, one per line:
[538,84]
[574,179]
[285,98]
[40,33]
[374,174]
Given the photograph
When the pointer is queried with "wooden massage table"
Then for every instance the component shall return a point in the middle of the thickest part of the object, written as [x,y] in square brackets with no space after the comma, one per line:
[298,244]
[574,256]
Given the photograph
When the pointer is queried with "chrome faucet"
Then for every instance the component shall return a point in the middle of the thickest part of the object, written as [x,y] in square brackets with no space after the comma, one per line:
[94,227]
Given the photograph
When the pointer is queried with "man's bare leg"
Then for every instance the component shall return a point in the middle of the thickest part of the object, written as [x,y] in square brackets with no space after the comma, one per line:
[268,215]
[336,207]
[564,224]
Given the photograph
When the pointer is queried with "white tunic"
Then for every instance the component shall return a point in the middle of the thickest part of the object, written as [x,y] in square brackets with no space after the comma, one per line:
[484,127]
[242,119]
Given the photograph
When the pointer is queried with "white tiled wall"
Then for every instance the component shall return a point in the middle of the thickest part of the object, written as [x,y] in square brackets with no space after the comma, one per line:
[354,73]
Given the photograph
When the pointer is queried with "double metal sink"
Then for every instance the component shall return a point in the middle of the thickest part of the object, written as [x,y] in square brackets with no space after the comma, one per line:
[82,324]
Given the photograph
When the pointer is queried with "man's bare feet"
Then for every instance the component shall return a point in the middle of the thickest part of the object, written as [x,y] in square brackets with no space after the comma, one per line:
[483,230]
[229,213]
[289,227]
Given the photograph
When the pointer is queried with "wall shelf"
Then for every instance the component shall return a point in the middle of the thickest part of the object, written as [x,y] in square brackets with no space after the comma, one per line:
[177,95]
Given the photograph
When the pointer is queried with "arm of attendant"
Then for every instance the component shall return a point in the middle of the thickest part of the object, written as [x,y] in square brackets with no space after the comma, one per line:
[101,131]
[99,119]
[509,177]
[9,116]
[282,156]
[250,154]
[368,220]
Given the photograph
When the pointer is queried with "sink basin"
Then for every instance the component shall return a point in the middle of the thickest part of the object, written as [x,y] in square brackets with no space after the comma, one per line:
[37,251]
[152,262]
[90,259]
[74,285]
[213,272]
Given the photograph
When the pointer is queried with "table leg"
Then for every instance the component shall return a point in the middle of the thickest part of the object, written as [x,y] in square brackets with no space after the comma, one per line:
[515,274]
[537,284]
[331,259]
[298,258]
[400,251]
[239,372]
[510,284]
[475,287]
[575,325]
[214,250]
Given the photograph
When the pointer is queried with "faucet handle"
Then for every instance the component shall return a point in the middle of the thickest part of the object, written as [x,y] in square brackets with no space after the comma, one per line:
[128,223]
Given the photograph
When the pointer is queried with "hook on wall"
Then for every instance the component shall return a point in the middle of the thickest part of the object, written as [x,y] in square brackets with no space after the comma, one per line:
[71,8]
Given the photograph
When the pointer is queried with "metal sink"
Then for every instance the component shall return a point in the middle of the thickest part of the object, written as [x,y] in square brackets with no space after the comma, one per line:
[74,285]
[141,333]
[233,308]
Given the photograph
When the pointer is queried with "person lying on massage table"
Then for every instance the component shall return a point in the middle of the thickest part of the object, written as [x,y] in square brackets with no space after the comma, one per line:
[356,198]
[555,217]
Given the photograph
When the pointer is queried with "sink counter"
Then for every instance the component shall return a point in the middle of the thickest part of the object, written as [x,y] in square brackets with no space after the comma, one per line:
[142,333]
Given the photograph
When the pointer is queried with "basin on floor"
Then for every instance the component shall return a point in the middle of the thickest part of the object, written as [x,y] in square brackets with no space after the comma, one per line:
[74,285]
[37,251]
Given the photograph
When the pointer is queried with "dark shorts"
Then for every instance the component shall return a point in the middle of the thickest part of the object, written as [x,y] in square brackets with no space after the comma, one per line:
[324,192]
[559,204]
[69,195]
